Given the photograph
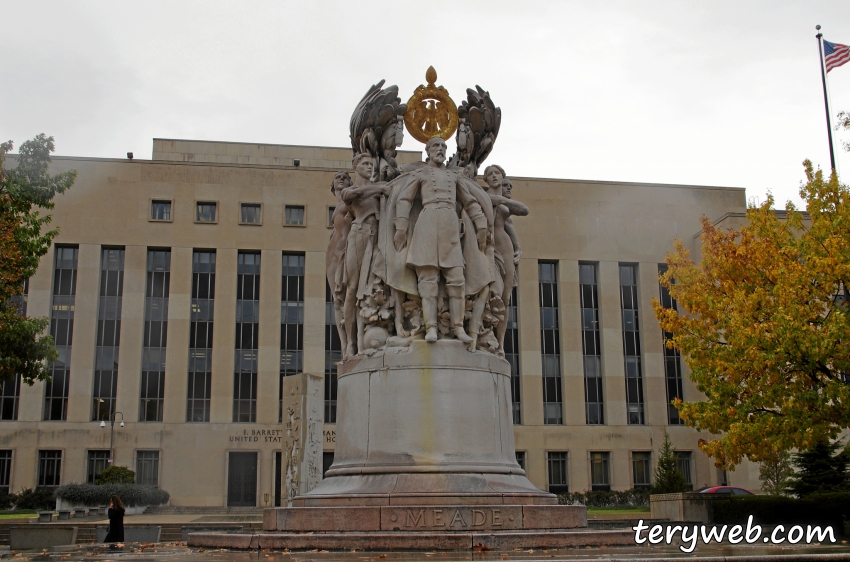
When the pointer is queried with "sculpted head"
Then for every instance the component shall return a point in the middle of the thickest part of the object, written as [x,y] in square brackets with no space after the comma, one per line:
[363,165]
[341,181]
[436,149]
[507,188]
[493,177]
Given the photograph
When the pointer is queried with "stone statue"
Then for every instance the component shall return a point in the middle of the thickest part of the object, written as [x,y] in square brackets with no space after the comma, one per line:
[435,245]
[478,126]
[427,270]
[377,129]
[335,256]
[362,198]
[422,251]
[503,208]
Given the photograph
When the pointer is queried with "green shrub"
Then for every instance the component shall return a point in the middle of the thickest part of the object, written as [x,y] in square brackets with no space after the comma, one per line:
[116,475]
[39,499]
[7,501]
[93,495]
[822,470]
[635,496]
[816,509]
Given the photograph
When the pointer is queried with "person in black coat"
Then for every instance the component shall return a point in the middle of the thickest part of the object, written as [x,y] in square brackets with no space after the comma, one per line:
[115,533]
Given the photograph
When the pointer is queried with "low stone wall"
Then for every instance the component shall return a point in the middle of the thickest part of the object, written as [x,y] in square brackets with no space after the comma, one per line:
[686,506]
[25,537]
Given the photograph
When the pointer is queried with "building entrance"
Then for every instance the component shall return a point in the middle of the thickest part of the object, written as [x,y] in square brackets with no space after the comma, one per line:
[242,480]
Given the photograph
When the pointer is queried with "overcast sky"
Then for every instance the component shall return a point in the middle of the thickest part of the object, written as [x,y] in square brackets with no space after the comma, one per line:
[695,92]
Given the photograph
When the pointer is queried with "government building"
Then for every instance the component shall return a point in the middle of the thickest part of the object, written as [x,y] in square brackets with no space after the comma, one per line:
[182,289]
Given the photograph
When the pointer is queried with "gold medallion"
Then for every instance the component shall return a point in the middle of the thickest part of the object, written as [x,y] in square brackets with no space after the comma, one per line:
[430,111]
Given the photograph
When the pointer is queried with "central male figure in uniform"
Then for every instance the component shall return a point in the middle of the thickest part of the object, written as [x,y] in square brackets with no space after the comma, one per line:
[435,245]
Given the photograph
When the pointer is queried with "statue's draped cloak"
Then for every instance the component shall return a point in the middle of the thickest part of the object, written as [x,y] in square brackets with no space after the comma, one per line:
[479,269]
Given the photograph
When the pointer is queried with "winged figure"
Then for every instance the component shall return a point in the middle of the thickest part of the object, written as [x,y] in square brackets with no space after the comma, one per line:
[478,126]
[377,129]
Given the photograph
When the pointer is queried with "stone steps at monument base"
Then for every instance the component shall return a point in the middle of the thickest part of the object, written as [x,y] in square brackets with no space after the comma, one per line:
[421,540]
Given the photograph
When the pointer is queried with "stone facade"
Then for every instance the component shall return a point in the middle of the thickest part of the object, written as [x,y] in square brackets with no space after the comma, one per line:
[571,222]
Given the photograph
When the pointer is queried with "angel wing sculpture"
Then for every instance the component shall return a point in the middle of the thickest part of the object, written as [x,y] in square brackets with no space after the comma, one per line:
[377,129]
[478,126]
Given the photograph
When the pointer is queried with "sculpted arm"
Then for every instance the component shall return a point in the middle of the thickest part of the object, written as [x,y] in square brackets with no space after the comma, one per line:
[353,193]
[515,207]
[509,230]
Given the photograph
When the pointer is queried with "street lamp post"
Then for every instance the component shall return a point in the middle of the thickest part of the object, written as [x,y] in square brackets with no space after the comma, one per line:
[112,432]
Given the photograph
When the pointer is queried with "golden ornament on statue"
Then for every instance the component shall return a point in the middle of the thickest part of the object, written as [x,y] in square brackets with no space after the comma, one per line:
[430,111]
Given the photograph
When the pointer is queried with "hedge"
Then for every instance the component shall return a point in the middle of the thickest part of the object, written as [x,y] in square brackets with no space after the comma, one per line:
[94,495]
[635,496]
[816,509]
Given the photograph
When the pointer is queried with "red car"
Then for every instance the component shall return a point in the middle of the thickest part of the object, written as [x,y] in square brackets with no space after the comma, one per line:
[735,491]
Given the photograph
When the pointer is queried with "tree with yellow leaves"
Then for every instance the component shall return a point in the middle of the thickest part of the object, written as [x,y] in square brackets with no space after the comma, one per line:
[764,326]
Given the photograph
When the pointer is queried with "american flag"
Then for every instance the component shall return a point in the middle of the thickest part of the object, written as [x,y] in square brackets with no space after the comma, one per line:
[834,55]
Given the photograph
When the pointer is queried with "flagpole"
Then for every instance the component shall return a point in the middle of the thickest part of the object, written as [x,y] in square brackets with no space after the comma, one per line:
[819,37]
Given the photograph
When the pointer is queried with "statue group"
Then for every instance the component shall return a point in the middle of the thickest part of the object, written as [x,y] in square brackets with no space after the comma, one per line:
[422,251]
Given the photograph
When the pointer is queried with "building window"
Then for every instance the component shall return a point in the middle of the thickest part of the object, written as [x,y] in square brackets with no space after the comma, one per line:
[331,216]
[251,213]
[520,459]
[247,327]
[558,477]
[672,358]
[512,355]
[599,475]
[631,344]
[550,343]
[642,469]
[10,393]
[152,393]
[108,333]
[684,462]
[62,330]
[594,412]
[49,468]
[294,215]
[333,355]
[160,210]
[205,211]
[201,336]
[291,321]
[147,468]
[5,471]
[98,461]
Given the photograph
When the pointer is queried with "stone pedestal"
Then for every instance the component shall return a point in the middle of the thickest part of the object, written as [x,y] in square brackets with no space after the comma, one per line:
[303,413]
[428,424]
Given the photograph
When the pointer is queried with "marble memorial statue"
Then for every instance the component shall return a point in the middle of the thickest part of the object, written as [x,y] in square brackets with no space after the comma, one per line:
[422,262]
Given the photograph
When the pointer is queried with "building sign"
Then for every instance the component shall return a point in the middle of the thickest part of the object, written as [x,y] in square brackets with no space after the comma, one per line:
[258,436]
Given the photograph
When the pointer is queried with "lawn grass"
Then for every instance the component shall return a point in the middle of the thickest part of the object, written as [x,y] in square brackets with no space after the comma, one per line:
[18,513]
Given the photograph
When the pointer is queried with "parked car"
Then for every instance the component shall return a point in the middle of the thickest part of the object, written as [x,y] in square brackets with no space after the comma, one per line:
[734,490]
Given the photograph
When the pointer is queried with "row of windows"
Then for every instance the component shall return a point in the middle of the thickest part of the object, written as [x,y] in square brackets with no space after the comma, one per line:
[291,344]
[49,467]
[557,469]
[592,346]
[155,340]
[207,212]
